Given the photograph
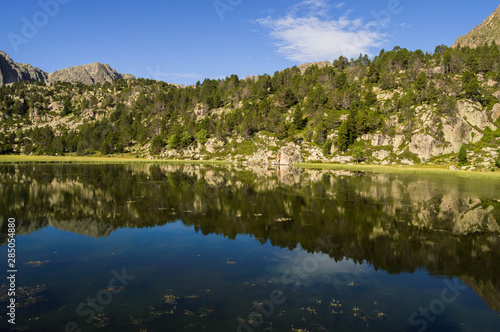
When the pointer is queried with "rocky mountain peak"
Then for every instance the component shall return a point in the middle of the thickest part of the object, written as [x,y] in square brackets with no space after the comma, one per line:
[96,72]
[486,32]
[88,74]
[11,71]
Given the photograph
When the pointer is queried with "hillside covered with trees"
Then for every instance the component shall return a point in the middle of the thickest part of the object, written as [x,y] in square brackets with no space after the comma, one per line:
[399,107]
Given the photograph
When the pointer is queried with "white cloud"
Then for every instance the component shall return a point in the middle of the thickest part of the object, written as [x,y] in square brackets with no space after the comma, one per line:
[307,33]
[339,5]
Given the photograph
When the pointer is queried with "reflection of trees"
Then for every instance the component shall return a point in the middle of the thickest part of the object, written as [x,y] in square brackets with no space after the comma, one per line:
[395,222]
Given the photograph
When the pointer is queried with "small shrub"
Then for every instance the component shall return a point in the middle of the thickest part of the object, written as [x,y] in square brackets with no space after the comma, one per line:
[358,154]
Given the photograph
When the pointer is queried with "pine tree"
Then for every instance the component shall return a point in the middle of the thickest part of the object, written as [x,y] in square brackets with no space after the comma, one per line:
[462,156]
[343,137]
[327,146]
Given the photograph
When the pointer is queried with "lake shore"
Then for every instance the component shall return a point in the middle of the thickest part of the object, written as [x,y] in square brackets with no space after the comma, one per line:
[16,159]
[423,169]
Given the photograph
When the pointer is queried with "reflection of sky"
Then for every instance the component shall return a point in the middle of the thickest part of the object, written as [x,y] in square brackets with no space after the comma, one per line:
[174,258]
[315,268]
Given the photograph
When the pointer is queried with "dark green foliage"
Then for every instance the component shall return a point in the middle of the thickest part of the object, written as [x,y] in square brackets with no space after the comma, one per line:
[67,108]
[211,94]
[282,130]
[462,156]
[358,154]
[186,139]
[201,136]
[6,143]
[472,87]
[111,144]
[447,105]
[421,82]
[370,98]
[298,118]
[174,141]
[387,81]
[157,144]
[327,146]
[343,137]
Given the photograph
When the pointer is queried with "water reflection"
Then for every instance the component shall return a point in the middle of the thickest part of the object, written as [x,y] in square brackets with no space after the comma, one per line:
[398,223]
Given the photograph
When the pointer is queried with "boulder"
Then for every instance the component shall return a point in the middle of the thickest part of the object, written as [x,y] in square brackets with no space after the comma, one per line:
[398,140]
[381,155]
[424,146]
[288,155]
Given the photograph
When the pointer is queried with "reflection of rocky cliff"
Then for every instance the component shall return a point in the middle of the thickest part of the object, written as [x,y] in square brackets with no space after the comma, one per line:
[486,289]
[87,227]
[122,195]
[398,223]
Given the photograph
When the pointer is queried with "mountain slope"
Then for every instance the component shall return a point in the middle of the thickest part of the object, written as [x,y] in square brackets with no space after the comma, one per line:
[11,71]
[402,107]
[487,32]
[88,74]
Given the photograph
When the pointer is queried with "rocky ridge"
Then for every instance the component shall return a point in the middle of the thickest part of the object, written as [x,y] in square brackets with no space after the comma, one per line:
[11,71]
[486,32]
[87,74]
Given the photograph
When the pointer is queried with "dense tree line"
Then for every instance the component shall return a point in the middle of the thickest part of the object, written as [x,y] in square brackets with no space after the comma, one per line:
[289,104]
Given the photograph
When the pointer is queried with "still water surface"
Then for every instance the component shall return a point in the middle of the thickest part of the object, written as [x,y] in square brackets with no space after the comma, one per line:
[205,248]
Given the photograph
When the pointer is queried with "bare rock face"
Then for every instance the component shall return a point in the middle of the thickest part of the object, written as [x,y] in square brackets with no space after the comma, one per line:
[11,71]
[475,115]
[213,144]
[87,74]
[495,113]
[288,155]
[381,154]
[424,146]
[487,32]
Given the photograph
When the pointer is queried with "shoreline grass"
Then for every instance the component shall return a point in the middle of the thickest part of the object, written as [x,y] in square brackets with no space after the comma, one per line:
[15,159]
[422,169]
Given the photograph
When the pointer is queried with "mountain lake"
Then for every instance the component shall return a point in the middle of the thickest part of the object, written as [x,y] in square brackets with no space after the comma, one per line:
[159,247]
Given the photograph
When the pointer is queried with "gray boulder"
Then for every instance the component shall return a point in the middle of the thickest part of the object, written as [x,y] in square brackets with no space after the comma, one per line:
[288,155]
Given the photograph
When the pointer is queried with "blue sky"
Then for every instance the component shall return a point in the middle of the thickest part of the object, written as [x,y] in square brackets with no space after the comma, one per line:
[188,40]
